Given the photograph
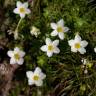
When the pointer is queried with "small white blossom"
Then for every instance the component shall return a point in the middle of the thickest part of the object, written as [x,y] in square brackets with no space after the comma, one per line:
[84,61]
[22,9]
[16,56]
[35,31]
[85,71]
[95,49]
[77,45]
[59,29]
[35,77]
[51,47]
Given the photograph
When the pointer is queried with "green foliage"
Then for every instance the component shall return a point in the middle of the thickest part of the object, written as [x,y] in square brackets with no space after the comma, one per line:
[64,71]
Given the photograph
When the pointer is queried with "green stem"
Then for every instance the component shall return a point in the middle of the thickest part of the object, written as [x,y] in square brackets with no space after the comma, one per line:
[39,93]
[16,30]
[75,72]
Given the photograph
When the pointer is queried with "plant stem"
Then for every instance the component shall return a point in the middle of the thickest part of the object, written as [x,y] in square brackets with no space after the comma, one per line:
[16,30]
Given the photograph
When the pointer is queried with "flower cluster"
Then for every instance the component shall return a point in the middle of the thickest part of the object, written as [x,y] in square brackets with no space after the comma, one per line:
[77,44]
[51,47]
[34,31]
[58,29]
[35,77]
[86,65]
[17,54]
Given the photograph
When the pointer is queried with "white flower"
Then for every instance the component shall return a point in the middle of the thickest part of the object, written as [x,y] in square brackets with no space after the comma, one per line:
[22,9]
[16,56]
[95,49]
[84,61]
[85,71]
[35,77]
[50,47]
[59,29]
[35,31]
[78,45]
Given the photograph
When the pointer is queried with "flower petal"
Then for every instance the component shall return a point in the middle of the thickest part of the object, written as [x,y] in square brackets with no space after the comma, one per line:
[61,22]
[30,82]
[44,48]
[71,42]
[22,15]
[73,49]
[21,53]
[84,43]
[29,74]
[19,4]
[20,61]
[56,50]
[16,49]
[16,11]
[56,42]
[53,25]
[25,4]
[42,76]
[37,70]
[66,29]
[28,11]
[54,33]
[10,53]
[49,54]
[48,41]
[39,83]
[82,50]
[77,38]
[12,61]
[61,36]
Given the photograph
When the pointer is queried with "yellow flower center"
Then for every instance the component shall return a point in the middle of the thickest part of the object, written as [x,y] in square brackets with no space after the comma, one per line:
[36,77]
[17,57]
[77,45]
[50,47]
[59,29]
[22,10]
